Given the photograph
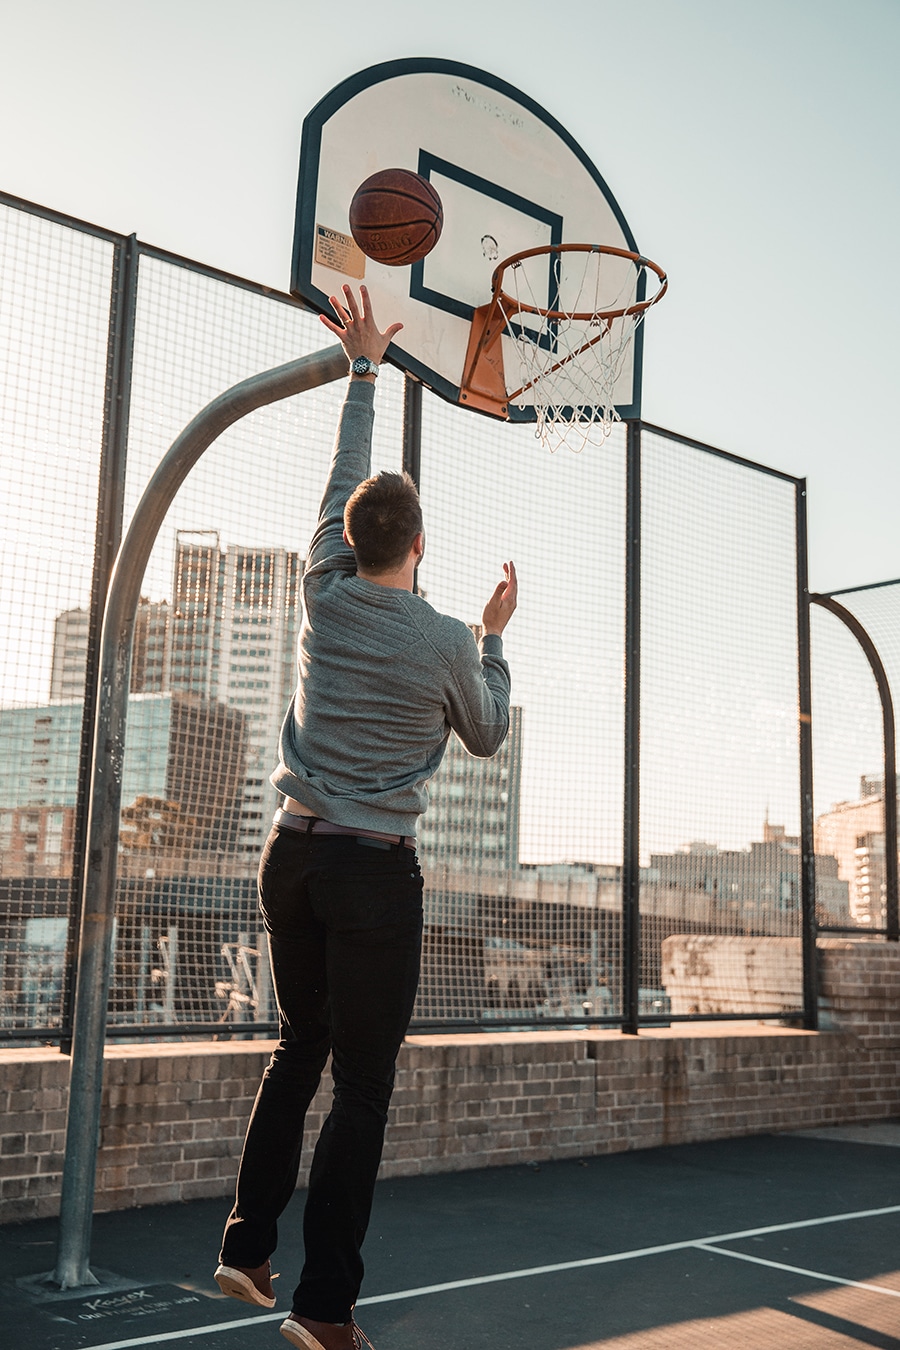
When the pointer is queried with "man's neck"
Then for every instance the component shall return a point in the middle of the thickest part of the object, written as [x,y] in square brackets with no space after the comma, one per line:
[401,579]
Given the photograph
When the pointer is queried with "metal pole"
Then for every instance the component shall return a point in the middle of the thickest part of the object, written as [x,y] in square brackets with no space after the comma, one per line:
[412,429]
[807,812]
[107,537]
[92,989]
[412,438]
[889,793]
[631,843]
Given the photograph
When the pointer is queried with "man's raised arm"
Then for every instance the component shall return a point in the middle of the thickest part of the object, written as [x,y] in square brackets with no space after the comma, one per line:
[360,337]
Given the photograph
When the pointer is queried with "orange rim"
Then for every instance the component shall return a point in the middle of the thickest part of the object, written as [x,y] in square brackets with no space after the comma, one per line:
[483,384]
[586,316]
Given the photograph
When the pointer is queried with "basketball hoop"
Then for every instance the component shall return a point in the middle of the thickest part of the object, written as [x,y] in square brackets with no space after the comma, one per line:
[567,314]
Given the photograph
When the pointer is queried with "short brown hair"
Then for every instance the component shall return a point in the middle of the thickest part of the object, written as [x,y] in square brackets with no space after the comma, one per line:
[382,518]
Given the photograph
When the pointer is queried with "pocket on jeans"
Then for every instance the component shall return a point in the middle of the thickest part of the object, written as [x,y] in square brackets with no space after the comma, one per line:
[382,896]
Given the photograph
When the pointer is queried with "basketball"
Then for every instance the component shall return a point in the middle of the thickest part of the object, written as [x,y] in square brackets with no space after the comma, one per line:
[396,217]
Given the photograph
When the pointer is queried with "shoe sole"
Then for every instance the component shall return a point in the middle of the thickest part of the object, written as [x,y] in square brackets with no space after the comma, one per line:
[237,1285]
[298,1335]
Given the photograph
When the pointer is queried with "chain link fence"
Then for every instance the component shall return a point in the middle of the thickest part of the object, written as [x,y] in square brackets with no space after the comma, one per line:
[636,850]
[721,898]
[856,669]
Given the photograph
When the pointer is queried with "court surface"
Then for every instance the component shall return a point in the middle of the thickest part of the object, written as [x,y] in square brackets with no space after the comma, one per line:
[759,1243]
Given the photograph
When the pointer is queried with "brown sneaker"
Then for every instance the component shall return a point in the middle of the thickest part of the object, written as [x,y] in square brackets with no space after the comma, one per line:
[251,1284]
[307,1334]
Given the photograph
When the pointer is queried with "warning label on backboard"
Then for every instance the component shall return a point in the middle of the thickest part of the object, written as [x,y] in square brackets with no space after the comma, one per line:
[339,252]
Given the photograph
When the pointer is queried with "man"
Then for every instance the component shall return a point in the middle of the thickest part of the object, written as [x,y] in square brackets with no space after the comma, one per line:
[382,679]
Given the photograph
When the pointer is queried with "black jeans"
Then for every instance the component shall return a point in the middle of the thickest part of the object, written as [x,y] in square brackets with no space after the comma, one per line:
[345,931]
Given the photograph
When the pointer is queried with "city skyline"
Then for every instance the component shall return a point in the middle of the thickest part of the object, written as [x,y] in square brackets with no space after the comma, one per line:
[174,655]
[566,645]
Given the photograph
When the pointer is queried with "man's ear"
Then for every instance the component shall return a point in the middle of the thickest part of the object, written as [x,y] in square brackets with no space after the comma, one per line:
[419,546]
[346,540]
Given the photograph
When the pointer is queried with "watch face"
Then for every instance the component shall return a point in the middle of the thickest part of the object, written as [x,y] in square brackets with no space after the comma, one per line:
[361,365]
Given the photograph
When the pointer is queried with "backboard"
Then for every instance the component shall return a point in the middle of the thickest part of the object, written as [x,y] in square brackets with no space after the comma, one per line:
[509,176]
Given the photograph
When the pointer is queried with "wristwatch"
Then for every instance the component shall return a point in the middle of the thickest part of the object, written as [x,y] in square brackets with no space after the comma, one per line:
[361,365]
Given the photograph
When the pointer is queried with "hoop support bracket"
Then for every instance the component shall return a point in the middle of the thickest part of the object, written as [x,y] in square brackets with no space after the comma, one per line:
[483,385]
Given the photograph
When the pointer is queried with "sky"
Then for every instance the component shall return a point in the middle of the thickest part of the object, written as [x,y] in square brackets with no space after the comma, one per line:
[752,148]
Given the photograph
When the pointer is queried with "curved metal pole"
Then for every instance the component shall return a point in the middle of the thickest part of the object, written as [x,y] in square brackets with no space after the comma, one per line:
[889,792]
[92,991]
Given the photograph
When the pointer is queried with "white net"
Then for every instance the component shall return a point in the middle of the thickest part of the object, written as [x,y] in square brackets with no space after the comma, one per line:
[572,313]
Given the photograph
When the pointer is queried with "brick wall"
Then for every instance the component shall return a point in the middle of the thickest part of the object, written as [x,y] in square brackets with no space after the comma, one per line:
[174,1115]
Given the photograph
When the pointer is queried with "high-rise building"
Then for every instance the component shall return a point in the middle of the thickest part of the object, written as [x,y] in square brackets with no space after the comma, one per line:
[227,637]
[181,751]
[472,821]
[232,640]
[36,841]
[853,833]
[149,654]
[70,644]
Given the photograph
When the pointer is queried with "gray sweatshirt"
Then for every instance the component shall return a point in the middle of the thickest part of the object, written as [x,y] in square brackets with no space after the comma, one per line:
[382,676]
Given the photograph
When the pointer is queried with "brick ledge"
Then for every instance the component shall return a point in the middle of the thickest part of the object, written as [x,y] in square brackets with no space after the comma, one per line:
[687,1031]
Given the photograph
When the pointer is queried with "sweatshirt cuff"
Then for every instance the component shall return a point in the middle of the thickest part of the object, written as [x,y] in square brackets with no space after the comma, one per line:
[492,645]
[360,391]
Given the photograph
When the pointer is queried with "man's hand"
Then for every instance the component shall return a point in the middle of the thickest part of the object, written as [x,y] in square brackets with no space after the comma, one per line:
[500,608]
[357,330]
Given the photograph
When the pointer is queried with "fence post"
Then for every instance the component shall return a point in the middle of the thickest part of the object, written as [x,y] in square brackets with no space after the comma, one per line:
[92,985]
[107,537]
[631,823]
[807,811]
[412,439]
[412,428]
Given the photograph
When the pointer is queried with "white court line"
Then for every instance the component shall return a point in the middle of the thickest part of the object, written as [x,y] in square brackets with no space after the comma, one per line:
[424,1290]
[799,1270]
